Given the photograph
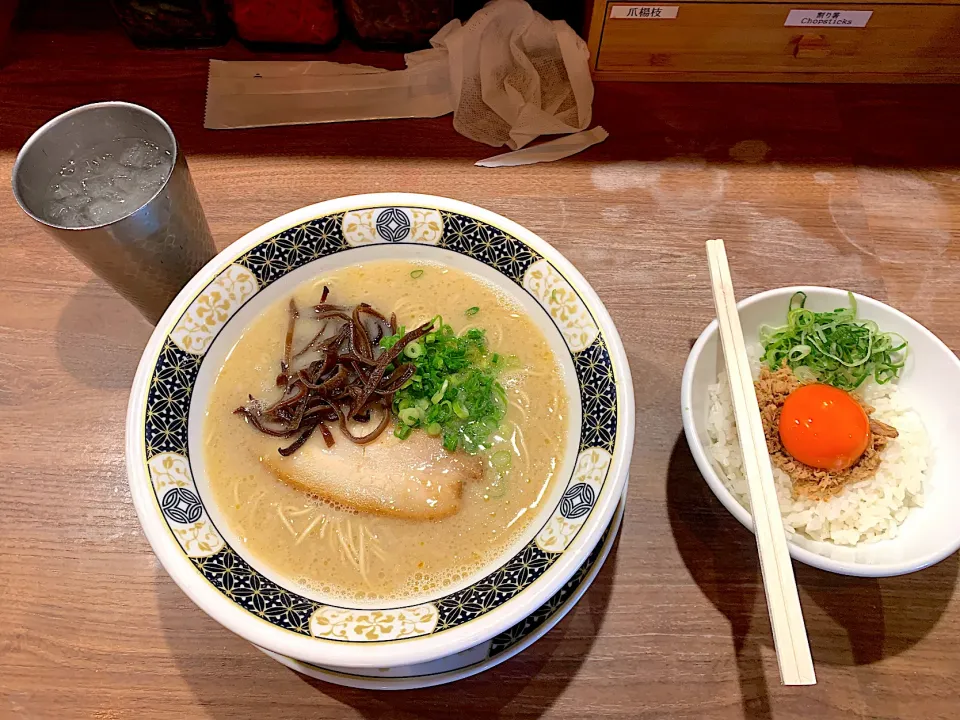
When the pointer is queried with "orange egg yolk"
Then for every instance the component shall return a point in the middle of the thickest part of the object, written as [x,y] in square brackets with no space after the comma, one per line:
[823,427]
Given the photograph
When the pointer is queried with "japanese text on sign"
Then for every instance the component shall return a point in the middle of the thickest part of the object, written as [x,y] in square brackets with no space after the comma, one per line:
[644,12]
[828,18]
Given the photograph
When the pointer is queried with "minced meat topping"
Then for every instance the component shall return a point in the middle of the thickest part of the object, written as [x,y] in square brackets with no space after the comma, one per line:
[772,389]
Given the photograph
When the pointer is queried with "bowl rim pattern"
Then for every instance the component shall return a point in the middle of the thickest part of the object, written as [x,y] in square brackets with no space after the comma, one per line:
[468,621]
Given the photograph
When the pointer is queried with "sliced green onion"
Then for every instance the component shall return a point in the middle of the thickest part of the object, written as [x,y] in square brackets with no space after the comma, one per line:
[501,460]
[472,311]
[460,410]
[454,389]
[403,431]
[497,489]
[439,394]
[833,347]
[450,441]
[416,273]
[409,416]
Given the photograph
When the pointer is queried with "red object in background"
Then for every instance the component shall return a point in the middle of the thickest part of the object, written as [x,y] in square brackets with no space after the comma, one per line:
[300,22]
[400,24]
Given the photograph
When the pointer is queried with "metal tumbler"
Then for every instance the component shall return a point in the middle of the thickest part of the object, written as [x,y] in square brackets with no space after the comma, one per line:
[153,250]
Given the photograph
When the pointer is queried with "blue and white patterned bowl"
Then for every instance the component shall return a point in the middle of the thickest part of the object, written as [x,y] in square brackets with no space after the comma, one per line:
[165,465]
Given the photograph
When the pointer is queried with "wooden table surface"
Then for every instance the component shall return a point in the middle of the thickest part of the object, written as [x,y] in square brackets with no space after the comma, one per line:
[855,187]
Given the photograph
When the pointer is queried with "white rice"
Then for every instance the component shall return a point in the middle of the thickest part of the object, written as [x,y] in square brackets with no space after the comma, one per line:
[866,511]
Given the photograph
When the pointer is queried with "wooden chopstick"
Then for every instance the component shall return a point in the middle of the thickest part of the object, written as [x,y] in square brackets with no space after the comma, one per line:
[783,601]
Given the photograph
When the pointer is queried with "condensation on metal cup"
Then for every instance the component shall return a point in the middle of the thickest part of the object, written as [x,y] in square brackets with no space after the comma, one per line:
[149,254]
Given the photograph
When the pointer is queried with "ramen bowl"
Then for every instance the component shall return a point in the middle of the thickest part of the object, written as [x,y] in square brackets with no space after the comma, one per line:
[930,385]
[171,490]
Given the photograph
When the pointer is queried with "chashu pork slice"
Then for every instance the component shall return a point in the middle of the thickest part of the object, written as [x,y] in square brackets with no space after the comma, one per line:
[413,478]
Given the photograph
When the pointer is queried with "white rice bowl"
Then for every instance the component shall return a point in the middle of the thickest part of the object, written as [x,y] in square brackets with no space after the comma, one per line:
[865,511]
[929,384]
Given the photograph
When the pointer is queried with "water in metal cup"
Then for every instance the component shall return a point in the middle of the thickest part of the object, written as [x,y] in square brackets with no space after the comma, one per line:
[108,181]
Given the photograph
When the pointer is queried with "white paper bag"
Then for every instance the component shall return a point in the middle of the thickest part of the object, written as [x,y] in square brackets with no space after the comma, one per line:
[514,75]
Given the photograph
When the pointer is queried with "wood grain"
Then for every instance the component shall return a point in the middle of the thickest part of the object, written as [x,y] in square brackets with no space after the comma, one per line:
[856,187]
[901,42]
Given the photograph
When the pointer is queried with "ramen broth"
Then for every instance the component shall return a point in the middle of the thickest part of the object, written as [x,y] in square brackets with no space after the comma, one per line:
[349,555]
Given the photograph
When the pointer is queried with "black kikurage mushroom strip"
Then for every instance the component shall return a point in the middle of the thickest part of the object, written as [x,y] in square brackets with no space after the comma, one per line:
[350,380]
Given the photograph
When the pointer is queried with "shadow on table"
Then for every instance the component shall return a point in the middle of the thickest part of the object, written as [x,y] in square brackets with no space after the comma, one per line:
[100,337]
[230,677]
[881,617]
